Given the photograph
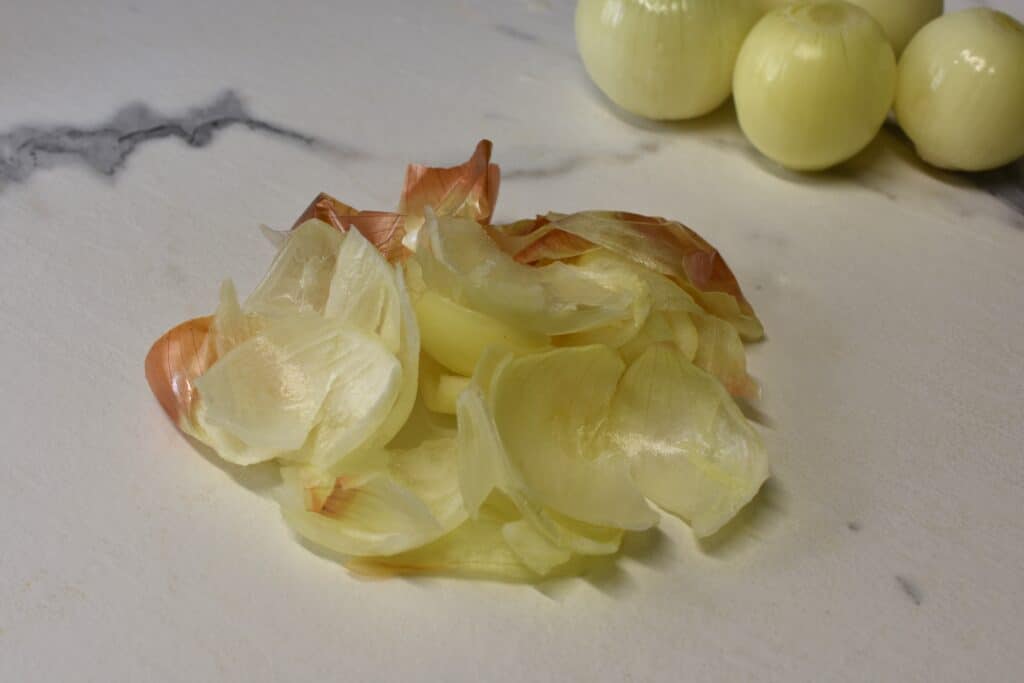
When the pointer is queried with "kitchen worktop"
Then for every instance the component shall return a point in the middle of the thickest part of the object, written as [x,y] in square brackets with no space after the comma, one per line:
[143,143]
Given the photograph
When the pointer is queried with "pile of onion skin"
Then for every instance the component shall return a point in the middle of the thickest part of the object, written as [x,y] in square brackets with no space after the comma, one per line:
[448,396]
[813,81]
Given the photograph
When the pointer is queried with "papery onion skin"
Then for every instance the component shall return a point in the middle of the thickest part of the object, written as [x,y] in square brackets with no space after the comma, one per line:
[438,389]
[960,97]
[548,408]
[456,336]
[465,264]
[383,229]
[299,278]
[469,190]
[546,242]
[377,516]
[693,452]
[664,246]
[476,549]
[900,19]
[181,354]
[814,83]
[173,364]
[521,484]
[663,59]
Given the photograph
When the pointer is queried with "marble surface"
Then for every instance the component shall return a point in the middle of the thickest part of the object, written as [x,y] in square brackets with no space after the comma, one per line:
[141,143]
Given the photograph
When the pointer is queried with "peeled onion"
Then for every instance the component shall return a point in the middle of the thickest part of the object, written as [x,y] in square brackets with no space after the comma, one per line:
[663,59]
[900,19]
[961,90]
[903,18]
[814,83]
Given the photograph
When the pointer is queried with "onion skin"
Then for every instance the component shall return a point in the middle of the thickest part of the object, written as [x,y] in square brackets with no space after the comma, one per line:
[514,475]
[469,190]
[328,500]
[182,354]
[383,229]
[814,83]
[173,364]
[665,246]
[663,59]
[960,97]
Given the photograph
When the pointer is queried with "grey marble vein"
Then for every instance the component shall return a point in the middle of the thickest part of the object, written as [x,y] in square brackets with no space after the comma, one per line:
[534,40]
[105,148]
[910,589]
[516,34]
[570,163]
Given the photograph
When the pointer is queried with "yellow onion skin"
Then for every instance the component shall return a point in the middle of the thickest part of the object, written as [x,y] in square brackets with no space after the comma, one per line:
[814,83]
[960,97]
[663,59]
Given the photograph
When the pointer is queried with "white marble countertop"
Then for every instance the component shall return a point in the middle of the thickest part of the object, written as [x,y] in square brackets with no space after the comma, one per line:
[142,142]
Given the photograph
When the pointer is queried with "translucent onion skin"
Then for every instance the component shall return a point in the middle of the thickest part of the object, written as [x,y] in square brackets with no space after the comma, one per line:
[900,19]
[436,438]
[663,59]
[814,83]
[960,97]
[174,363]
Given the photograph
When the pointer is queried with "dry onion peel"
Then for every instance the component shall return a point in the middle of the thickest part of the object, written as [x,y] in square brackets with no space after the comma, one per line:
[411,502]
[697,456]
[469,190]
[664,246]
[456,336]
[173,364]
[384,229]
[547,408]
[476,549]
[304,389]
[440,389]
[512,440]
[465,264]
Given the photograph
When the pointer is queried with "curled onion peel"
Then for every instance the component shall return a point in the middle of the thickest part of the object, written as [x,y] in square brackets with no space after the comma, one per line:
[696,456]
[410,502]
[457,336]
[474,401]
[660,245]
[476,549]
[463,263]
